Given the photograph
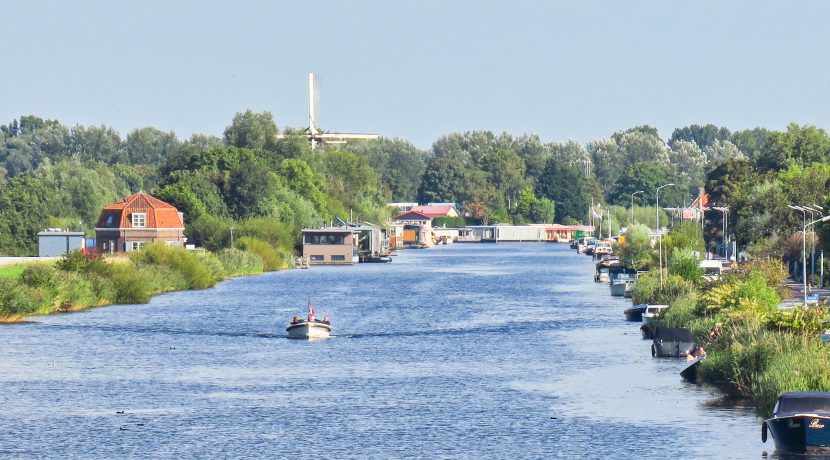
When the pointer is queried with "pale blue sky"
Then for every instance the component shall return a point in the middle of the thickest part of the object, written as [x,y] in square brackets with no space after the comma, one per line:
[419,69]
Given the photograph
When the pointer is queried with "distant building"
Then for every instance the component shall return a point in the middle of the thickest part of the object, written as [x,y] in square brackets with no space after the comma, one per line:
[56,242]
[445,210]
[417,229]
[136,220]
[331,245]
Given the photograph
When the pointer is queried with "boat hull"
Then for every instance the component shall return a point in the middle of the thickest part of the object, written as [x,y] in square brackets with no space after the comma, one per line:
[308,330]
[670,349]
[634,314]
[618,289]
[690,371]
[800,433]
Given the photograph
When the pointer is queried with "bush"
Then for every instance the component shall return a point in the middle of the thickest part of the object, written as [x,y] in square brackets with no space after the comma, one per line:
[195,269]
[271,258]
[237,262]
[18,299]
[647,289]
[685,264]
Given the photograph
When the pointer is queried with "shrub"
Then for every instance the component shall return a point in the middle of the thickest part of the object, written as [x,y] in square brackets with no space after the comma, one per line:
[271,258]
[192,267]
[647,289]
[18,299]
[238,262]
[685,264]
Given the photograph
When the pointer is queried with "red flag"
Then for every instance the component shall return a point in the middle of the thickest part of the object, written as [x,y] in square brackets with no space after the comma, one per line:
[310,308]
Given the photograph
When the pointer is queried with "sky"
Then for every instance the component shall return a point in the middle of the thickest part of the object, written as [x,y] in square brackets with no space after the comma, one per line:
[418,70]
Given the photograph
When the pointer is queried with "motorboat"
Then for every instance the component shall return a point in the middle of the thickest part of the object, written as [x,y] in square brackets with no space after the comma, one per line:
[800,421]
[603,269]
[629,290]
[620,278]
[310,327]
[672,342]
[635,313]
[601,248]
[653,312]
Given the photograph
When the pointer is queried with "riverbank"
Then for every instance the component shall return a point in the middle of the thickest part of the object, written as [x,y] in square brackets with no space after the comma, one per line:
[78,282]
[755,349]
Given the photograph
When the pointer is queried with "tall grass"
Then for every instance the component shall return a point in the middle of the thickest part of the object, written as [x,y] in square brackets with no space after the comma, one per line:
[199,272]
[238,262]
[272,258]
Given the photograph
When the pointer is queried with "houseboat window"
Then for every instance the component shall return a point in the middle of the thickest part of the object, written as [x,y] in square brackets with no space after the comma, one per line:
[317,258]
[323,238]
[338,258]
[139,219]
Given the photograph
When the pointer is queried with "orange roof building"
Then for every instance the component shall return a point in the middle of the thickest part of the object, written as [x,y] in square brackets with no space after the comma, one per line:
[136,220]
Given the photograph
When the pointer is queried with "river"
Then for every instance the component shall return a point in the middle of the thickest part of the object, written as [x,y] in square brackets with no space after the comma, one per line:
[460,351]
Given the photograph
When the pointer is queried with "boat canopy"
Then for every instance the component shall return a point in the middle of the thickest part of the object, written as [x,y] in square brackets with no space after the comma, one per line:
[673,334]
[806,402]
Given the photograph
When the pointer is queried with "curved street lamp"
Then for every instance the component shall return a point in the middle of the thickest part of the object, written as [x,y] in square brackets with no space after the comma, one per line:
[632,206]
[659,235]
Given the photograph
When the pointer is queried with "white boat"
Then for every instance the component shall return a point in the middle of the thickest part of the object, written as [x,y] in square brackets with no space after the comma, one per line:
[310,327]
[653,312]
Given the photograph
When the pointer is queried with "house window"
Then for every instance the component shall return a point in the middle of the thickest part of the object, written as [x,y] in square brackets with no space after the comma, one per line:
[317,258]
[338,258]
[134,245]
[110,218]
[139,219]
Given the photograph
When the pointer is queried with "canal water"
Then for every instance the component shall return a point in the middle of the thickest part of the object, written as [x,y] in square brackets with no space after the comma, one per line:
[460,351]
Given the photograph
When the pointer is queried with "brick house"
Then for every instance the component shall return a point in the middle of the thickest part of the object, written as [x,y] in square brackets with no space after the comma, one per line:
[136,220]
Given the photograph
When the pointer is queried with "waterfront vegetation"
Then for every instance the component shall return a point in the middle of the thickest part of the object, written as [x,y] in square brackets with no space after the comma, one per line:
[77,281]
[760,350]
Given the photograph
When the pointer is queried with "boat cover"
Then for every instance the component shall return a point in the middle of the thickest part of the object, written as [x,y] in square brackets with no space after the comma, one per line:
[806,402]
[673,334]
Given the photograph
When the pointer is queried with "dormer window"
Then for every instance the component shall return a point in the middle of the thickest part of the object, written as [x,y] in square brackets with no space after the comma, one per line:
[139,219]
[110,217]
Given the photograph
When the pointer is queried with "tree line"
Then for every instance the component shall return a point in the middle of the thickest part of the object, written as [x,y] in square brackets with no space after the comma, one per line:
[266,181]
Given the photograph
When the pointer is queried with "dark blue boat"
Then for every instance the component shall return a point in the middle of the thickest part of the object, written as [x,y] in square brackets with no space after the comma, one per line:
[800,422]
[635,313]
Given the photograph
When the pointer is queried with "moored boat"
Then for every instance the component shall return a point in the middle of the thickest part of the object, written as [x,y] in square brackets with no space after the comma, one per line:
[653,312]
[635,313]
[800,421]
[310,327]
[690,371]
[672,342]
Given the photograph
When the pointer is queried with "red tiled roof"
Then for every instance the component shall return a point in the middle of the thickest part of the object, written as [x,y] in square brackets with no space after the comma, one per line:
[413,215]
[433,211]
[158,213]
[696,202]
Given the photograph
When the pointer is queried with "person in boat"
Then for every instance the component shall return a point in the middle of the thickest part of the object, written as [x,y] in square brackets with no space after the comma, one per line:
[326,320]
[295,320]
[311,317]
[697,352]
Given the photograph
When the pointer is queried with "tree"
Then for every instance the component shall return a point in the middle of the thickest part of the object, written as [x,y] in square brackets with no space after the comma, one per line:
[150,146]
[248,184]
[99,143]
[252,130]
[443,181]
[645,176]
[563,185]
[689,164]
[399,164]
[636,251]
[800,145]
[505,171]
[703,136]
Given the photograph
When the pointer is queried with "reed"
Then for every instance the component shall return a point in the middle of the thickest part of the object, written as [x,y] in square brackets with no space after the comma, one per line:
[237,262]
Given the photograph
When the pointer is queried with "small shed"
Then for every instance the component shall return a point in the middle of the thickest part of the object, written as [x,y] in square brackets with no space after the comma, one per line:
[56,242]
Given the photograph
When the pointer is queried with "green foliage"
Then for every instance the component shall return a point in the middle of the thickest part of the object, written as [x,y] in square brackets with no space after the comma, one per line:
[18,299]
[636,251]
[198,271]
[647,289]
[684,236]
[272,259]
[685,264]
[236,262]
[252,130]
[449,222]
[564,185]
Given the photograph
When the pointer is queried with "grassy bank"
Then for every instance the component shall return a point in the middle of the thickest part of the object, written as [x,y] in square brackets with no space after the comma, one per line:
[760,350]
[78,282]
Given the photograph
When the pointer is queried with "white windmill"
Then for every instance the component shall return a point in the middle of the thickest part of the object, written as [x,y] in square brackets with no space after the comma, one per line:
[317,137]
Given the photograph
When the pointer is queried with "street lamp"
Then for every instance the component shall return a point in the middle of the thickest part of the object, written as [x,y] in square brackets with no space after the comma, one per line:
[632,206]
[804,250]
[659,235]
[804,212]
[819,210]
[231,236]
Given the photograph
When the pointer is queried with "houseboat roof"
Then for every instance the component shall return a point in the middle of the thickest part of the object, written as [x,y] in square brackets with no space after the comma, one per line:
[413,215]
[434,211]
[329,230]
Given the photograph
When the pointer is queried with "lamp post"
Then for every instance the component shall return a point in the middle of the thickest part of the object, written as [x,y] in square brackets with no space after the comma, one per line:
[659,235]
[231,236]
[804,249]
[632,206]
[803,245]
